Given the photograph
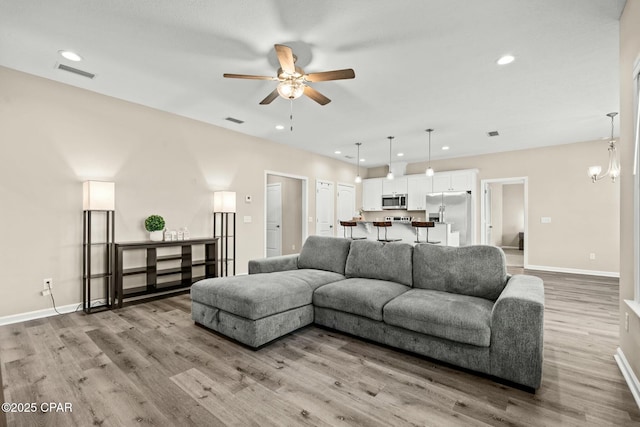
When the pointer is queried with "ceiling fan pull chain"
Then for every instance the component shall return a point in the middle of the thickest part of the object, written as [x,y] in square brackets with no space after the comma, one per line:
[291,114]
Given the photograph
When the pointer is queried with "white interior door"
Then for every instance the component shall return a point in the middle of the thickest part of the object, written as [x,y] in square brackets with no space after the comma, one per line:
[324,208]
[346,197]
[274,220]
[488,227]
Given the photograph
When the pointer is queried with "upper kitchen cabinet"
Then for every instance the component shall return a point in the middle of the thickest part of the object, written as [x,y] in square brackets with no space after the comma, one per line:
[418,186]
[372,194]
[454,181]
[394,186]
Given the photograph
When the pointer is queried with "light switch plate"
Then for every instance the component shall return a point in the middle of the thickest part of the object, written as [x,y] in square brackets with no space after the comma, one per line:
[545,219]
[247,219]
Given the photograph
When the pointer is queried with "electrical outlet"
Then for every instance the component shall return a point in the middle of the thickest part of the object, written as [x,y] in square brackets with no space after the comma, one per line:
[626,322]
[47,285]
[592,256]
[293,247]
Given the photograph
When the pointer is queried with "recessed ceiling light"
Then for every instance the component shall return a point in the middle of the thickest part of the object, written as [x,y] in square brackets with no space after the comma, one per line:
[71,56]
[279,127]
[446,147]
[362,160]
[400,154]
[337,152]
[506,59]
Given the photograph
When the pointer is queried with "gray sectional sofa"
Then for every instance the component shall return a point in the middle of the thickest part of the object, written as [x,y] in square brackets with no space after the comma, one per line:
[457,305]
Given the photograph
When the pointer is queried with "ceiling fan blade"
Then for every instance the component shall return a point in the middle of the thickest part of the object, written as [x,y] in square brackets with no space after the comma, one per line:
[331,75]
[247,76]
[269,99]
[285,57]
[316,96]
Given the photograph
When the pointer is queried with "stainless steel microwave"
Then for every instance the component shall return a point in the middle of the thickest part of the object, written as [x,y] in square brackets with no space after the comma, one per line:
[394,201]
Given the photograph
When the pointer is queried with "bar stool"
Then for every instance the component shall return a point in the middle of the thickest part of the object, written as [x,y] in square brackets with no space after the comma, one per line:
[349,225]
[385,225]
[424,224]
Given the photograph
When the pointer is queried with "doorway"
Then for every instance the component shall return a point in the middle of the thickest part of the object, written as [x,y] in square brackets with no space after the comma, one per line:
[504,217]
[285,212]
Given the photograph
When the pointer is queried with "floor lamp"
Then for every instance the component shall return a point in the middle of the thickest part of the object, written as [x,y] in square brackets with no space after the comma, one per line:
[224,217]
[98,205]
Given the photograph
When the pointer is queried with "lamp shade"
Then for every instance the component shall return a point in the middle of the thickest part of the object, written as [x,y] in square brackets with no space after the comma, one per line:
[224,201]
[98,196]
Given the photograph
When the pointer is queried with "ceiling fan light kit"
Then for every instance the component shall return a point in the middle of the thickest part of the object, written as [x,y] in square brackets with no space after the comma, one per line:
[293,80]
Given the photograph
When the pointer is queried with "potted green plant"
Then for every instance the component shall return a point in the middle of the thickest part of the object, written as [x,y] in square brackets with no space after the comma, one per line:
[154,224]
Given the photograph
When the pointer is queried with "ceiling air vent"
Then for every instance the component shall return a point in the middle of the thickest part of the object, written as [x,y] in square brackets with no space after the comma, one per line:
[76,71]
[234,120]
[349,157]
[493,133]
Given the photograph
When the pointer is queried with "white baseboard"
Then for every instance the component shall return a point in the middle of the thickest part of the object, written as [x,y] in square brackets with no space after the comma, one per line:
[573,271]
[629,376]
[39,314]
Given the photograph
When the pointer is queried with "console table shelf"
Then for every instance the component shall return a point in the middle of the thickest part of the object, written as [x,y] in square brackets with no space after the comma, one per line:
[152,272]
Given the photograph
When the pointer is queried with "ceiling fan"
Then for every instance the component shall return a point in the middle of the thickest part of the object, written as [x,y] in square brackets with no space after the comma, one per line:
[293,80]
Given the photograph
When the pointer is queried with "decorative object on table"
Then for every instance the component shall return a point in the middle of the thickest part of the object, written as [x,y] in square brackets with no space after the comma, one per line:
[614,162]
[429,171]
[154,224]
[185,233]
[224,211]
[98,199]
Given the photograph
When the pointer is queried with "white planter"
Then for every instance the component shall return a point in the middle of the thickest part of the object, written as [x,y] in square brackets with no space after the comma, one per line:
[156,236]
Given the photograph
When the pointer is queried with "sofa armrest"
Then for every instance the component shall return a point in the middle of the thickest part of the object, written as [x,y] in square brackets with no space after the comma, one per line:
[277,263]
[517,325]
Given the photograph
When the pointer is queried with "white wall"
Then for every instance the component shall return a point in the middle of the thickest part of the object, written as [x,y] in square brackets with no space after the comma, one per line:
[53,137]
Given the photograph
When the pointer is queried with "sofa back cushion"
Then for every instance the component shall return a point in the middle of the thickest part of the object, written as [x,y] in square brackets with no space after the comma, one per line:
[478,271]
[377,260]
[324,253]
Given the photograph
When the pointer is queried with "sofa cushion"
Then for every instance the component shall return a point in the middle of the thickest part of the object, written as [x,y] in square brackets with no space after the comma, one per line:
[364,297]
[254,296]
[459,318]
[314,278]
[324,253]
[478,271]
[377,260]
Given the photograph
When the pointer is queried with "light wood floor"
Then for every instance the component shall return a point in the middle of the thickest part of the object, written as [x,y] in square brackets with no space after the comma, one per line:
[147,364]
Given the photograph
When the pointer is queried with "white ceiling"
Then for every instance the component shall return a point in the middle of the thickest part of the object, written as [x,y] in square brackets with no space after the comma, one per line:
[418,64]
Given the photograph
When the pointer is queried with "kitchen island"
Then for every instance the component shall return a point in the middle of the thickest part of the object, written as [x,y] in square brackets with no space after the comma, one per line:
[407,234]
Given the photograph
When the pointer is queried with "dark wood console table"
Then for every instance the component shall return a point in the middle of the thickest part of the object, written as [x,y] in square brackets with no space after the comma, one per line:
[152,272]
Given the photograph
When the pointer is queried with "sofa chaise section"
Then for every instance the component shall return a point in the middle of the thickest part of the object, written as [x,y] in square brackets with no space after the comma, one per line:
[258,308]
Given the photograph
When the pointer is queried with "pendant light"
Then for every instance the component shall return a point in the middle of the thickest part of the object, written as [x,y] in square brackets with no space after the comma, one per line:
[390,174]
[429,171]
[358,179]
[614,163]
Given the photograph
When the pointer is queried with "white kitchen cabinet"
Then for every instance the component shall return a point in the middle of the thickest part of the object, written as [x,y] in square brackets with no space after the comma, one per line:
[418,186]
[372,194]
[394,186]
[454,181]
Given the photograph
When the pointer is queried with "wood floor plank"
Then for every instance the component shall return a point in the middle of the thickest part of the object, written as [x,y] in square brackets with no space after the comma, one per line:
[147,363]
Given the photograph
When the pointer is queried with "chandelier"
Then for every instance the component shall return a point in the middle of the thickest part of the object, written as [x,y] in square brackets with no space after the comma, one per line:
[614,162]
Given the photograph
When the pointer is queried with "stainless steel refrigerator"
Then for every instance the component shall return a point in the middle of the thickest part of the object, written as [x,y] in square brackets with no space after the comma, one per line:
[452,207]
